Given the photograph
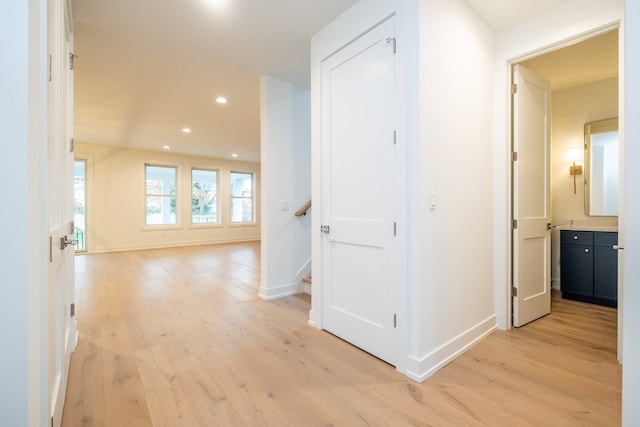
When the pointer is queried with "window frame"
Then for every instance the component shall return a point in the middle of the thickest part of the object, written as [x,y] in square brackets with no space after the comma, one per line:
[85,207]
[218,222]
[176,224]
[253,220]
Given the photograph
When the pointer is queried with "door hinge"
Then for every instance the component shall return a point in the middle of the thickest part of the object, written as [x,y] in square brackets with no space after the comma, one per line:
[72,58]
[515,224]
[50,248]
[515,291]
[514,88]
[50,67]
[395,320]
[392,40]
[514,156]
[72,309]
[394,137]
[71,145]
[395,229]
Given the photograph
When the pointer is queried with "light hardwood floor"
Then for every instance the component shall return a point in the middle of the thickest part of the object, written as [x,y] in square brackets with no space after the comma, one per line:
[178,337]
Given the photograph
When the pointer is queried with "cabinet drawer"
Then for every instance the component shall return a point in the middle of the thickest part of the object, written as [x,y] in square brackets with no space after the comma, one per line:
[571,237]
[605,238]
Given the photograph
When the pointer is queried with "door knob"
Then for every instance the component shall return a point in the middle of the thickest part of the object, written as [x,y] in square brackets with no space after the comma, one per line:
[64,242]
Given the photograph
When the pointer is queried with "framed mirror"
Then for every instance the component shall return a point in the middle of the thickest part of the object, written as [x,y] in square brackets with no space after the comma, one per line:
[601,173]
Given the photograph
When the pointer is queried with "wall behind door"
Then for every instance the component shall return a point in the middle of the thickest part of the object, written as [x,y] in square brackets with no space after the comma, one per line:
[571,109]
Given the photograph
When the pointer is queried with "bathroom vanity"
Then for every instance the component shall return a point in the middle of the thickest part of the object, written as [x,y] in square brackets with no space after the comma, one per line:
[589,266]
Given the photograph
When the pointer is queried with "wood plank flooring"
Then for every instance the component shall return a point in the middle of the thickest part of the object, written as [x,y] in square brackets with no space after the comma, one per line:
[178,337]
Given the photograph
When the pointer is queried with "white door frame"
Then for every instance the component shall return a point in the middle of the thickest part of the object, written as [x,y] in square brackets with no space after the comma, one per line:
[503,198]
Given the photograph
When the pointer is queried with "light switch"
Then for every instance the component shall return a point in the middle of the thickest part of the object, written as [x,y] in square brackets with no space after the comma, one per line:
[284,206]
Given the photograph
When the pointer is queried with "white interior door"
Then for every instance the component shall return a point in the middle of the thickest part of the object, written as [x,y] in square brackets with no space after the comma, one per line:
[358,191]
[61,326]
[531,197]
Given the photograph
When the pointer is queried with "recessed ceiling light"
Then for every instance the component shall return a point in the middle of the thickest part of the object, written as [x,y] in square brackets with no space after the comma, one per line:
[186,130]
[166,147]
[234,155]
[216,4]
[221,100]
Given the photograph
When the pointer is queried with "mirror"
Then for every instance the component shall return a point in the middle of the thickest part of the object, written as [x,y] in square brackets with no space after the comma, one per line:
[601,168]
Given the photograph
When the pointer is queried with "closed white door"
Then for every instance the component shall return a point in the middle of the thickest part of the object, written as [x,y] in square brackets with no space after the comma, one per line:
[358,191]
[61,323]
[531,197]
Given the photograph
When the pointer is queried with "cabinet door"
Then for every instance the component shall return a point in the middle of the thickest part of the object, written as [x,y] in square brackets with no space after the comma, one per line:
[606,273]
[576,275]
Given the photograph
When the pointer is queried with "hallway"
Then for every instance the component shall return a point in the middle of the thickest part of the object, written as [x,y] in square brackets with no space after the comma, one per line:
[178,337]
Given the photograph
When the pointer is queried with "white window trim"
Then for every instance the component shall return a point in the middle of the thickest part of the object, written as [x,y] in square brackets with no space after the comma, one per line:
[253,222]
[150,227]
[218,223]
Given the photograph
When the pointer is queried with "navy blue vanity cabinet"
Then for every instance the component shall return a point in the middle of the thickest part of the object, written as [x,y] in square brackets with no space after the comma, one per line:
[605,273]
[589,266]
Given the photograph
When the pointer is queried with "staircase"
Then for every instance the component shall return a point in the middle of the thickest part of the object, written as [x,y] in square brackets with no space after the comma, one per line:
[307,284]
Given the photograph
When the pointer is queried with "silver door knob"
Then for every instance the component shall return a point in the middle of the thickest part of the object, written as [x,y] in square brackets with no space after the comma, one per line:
[64,242]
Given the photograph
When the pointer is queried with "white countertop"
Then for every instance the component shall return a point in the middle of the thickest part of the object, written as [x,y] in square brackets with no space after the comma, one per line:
[606,224]
[588,227]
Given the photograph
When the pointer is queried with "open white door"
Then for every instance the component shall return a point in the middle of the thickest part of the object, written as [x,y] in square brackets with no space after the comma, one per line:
[358,154]
[531,197]
[60,290]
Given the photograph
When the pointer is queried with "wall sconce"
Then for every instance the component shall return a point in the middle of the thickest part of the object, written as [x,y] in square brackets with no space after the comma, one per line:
[574,156]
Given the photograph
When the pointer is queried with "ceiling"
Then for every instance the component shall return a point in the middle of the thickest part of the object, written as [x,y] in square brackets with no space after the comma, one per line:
[502,14]
[146,69]
[585,62]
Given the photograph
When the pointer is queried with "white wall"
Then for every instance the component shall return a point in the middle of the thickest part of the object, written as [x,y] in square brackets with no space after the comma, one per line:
[569,22]
[571,109]
[116,213]
[444,272]
[285,152]
[23,390]
[451,263]
[631,236]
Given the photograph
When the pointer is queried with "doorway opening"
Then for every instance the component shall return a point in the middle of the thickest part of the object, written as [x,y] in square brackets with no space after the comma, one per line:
[584,88]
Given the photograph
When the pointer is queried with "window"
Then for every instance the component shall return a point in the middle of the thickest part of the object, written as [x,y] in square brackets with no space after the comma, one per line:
[160,195]
[79,204]
[204,196]
[241,198]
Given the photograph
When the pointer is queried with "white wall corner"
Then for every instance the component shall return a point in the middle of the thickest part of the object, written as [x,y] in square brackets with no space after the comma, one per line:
[285,150]
[419,369]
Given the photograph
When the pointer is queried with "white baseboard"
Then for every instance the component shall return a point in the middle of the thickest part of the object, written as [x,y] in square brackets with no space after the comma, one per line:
[419,369]
[314,319]
[275,292]
[125,248]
